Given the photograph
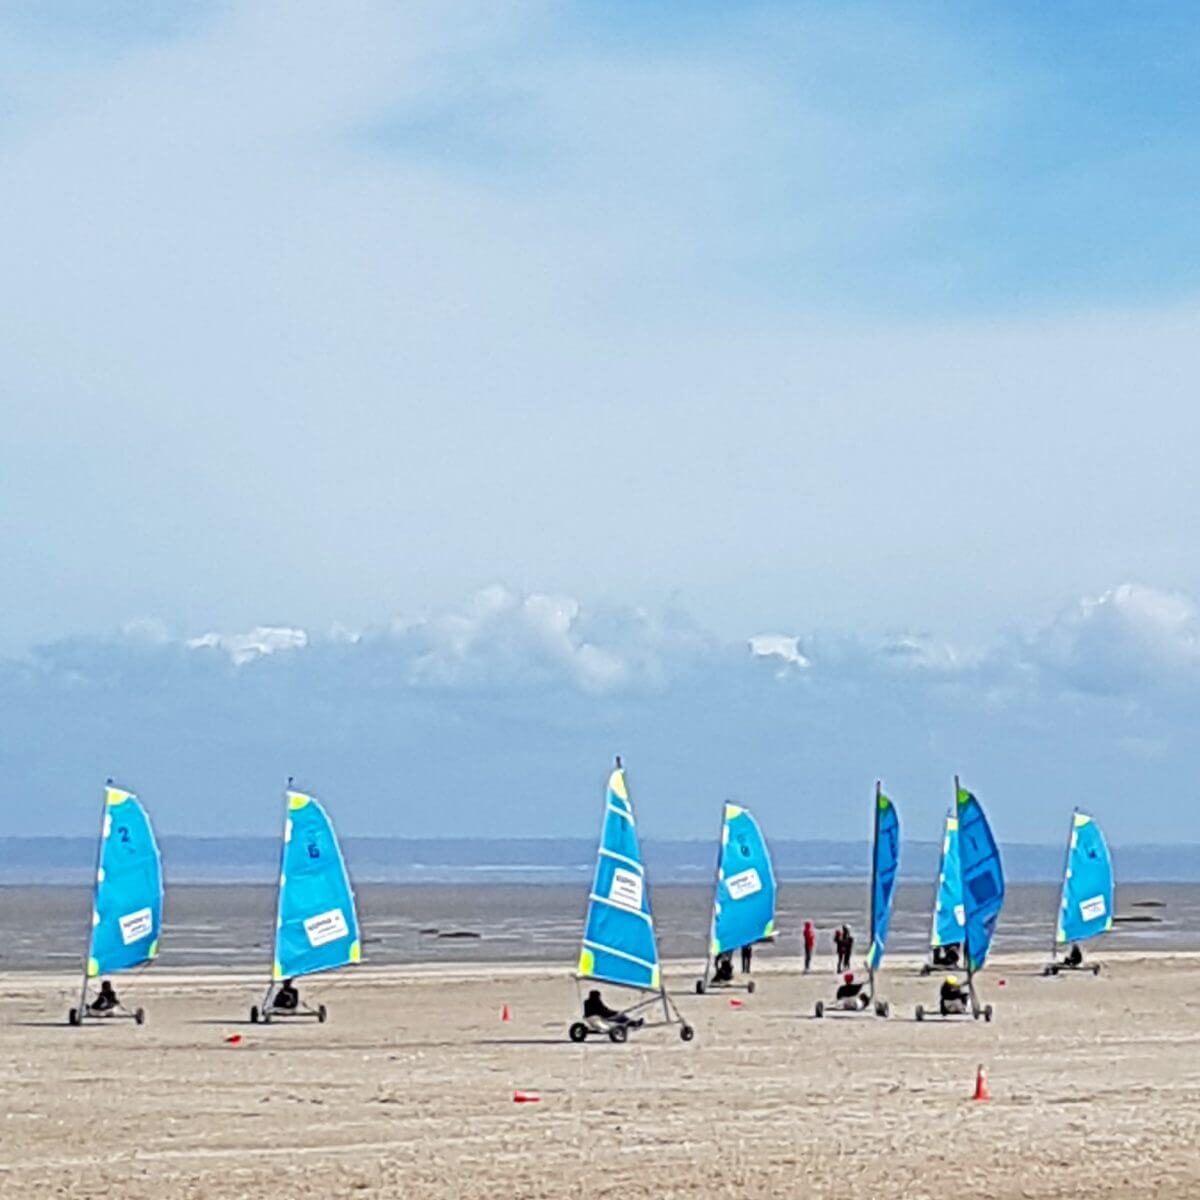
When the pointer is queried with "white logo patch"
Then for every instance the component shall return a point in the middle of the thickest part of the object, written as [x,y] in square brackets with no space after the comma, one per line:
[626,889]
[326,927]
[744,883]
[960,914]
[1093,909]
[136,925]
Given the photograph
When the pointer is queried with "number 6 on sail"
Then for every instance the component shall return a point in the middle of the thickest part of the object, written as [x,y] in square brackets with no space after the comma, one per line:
[316,927]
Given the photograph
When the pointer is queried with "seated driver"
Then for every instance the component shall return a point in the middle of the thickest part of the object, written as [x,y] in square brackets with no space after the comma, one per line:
[288,996]
[848,989]
[952,996]
[106,1000]
[1074,956]
[723,967]
[594,1007]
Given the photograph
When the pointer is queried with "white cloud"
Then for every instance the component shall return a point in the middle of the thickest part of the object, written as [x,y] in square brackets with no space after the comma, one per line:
[246,647]
[1129,638]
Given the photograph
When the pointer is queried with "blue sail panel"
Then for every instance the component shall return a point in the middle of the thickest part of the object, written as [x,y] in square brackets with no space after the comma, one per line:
[128,897]
[982,879]
[948,915]
[1087,895]
[317,926]
[618,932]
[744,905]
[885,862]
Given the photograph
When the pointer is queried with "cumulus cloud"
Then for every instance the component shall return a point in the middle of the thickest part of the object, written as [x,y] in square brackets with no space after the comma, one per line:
[495,715]
[1131,637]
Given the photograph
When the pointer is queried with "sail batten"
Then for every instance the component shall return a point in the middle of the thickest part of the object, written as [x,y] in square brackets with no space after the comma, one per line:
[1086,905]
[317,924]
[618,944]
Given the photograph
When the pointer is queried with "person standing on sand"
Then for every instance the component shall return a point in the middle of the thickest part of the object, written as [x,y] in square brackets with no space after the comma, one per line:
[847,946]
[810,941]
[838,949]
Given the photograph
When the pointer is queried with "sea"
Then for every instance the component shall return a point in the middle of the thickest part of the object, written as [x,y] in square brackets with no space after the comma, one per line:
[226,925]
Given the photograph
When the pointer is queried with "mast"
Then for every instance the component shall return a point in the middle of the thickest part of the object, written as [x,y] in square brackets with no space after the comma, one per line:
[87,950]
[874,873]
[1062,895]
[279,892]
[712,924]
[966,927]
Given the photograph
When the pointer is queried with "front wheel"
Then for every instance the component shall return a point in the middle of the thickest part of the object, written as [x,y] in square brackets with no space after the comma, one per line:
[139,1016]
[987,1013]
[322,1013]
[699,987]
[618,1033]
[686,1032]
[750,987]
[882,1008]
[578,1032]
[819,1010]
[254,1014]
[73,1017]
[926,969]
[920,1014]
[1096,969]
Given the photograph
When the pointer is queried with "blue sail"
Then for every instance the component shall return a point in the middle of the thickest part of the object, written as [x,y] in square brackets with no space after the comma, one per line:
[317,927]
[618,932]
[885,862]
[1087,894]
[982,879]
[127,902]
[948,914]
[744,906]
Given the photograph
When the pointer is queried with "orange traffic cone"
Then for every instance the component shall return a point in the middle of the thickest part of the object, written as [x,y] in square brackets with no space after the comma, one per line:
[504,1014]
[981,1087]
[526,1098]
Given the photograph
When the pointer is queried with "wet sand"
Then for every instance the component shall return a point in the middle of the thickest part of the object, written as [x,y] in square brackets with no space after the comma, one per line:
[407,1090]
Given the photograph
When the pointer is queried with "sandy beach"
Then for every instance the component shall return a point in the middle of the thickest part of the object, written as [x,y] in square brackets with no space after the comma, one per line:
[408,1089]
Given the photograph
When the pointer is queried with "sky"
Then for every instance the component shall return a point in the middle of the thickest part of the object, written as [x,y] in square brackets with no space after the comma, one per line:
[433,400]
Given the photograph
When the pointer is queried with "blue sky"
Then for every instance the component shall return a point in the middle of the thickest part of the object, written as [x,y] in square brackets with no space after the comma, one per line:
[850,324]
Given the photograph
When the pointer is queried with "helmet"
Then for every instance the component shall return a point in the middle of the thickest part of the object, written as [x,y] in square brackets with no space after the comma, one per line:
[952,980]
[849,977]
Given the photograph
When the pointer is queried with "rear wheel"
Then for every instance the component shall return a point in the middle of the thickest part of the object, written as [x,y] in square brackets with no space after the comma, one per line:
[699,987]
[926,969]
[920,1014]
[139,1016]
[819,1009]
[578,1032]
[750,987]
[686,1032]
[254,1014]
[882,1008]
[987,1013]
[1096,969]
[618,1033]
[322,1013]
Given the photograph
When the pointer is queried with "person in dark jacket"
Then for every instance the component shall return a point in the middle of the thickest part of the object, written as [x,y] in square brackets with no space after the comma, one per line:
[594,1007]
[106,999]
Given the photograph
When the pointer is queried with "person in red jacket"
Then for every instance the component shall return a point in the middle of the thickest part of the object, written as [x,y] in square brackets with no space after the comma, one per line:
[810,942]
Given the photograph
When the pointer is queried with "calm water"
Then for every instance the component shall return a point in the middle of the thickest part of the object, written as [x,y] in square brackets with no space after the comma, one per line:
[227,925]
